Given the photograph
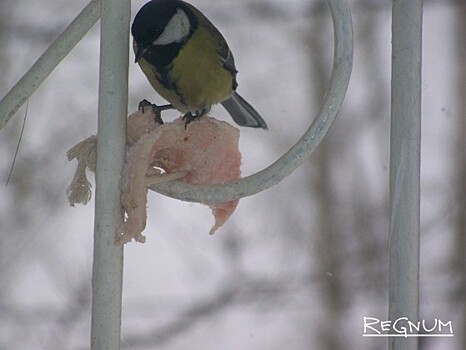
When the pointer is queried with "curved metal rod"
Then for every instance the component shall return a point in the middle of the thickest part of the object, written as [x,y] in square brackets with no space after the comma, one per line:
[291,160]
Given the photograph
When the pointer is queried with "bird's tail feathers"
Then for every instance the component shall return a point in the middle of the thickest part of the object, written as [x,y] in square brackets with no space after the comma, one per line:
[243,113]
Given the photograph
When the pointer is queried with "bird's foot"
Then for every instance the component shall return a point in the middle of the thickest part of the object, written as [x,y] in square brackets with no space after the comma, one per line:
[189,117]
[157,110]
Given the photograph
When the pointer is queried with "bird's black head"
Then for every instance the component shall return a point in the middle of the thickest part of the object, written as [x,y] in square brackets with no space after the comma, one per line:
[160,23]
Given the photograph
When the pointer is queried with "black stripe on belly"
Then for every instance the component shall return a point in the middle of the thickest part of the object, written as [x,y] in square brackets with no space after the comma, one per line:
[162,56]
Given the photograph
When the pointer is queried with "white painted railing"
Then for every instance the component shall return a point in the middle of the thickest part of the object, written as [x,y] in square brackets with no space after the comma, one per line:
[405,148]
[113,94]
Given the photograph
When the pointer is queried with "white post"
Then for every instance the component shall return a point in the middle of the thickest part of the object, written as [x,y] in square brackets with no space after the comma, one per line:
[405,166]
[111,146]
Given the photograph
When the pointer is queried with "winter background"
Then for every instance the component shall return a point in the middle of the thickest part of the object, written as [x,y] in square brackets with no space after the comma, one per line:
[297,266]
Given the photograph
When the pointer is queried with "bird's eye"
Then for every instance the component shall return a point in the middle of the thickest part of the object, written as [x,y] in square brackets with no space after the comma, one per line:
[176,30]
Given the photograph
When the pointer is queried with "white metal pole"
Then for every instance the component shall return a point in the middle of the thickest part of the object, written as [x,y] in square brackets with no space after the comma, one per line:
[46,63]
[405,140]
[111,148]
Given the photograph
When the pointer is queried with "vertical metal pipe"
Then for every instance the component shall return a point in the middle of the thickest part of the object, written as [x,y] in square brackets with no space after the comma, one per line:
[405,166]
[111,145]
[458,263]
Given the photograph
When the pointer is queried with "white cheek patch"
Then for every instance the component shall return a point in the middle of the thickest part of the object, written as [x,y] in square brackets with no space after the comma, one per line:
[176,30]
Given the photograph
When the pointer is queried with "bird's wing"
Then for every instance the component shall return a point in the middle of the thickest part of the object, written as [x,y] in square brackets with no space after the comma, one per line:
[227,56]
[224,51]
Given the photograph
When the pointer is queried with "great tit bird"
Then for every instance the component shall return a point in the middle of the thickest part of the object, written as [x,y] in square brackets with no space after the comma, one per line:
[188,62]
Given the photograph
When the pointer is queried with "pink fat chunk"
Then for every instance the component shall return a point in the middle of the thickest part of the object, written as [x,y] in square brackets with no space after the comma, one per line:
[205,152]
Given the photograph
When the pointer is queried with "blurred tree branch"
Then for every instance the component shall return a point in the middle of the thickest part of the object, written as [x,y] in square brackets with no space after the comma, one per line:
[232,293]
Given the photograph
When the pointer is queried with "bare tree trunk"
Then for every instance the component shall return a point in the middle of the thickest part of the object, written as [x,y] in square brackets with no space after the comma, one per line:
[460,172]
[326,235]
[329,270]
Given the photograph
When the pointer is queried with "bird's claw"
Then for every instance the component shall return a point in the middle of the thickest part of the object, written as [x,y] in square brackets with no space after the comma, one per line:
[157,110]
[189,117]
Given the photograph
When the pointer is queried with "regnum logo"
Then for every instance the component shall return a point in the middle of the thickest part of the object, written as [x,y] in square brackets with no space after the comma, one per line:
[403,327]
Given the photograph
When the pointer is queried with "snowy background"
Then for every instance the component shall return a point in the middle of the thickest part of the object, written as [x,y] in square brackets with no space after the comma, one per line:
[297,266]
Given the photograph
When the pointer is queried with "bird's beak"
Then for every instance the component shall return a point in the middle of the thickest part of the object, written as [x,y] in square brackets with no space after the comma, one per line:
[139,51]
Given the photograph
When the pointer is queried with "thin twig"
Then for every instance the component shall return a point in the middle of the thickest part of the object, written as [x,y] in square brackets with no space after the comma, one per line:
[17,146]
